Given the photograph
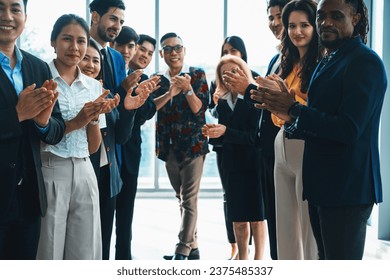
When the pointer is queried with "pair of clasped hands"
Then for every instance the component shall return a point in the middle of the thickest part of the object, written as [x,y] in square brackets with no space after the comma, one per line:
[37,103]
[272,94]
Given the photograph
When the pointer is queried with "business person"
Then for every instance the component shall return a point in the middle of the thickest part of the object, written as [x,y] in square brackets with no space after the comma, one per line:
[340,126]
[29,114]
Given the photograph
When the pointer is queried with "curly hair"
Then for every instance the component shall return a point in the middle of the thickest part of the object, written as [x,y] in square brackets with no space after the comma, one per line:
[362,27]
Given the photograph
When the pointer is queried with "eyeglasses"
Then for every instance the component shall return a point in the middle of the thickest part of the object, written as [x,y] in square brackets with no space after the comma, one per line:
[169,49]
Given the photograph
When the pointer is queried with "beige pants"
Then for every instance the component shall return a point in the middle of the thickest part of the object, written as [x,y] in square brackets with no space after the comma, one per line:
[185,180]
[71,227]
[295,240]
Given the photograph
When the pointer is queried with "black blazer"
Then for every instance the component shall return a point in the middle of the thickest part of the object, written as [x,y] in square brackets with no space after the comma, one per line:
[267,130]
[20,142]
[238,152]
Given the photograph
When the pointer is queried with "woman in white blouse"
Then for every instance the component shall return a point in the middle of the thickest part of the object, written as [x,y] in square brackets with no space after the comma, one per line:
[71,227]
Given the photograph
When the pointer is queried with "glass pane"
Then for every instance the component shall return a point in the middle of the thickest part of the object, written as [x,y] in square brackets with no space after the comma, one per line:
[140,16]
[200,25]
[36,36]
[251,24]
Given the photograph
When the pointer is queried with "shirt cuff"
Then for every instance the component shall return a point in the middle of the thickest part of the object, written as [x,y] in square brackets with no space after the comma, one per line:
[41,129]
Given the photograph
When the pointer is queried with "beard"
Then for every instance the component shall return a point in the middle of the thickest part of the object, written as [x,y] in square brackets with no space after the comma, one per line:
[103,35]
[333,44]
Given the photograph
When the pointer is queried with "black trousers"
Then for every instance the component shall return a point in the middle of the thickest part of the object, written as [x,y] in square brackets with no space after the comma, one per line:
[19,230]
[107,209]
[124,215]
[340,232]
[268,184]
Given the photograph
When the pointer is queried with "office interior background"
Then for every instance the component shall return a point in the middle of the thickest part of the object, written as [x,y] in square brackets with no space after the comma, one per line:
[203,25]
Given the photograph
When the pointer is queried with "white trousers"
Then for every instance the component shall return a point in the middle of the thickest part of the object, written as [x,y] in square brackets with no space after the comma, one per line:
[295,240]
[71,227]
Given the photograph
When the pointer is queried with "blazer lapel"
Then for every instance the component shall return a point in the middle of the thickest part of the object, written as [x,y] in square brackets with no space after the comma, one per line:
[7,90]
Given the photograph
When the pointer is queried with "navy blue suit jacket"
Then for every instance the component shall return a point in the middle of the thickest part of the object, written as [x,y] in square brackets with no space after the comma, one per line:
[340,127]
[119,125]
[131,148]
[20,141]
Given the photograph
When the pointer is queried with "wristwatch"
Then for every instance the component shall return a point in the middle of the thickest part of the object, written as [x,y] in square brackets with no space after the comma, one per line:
[188,92]
[295,110]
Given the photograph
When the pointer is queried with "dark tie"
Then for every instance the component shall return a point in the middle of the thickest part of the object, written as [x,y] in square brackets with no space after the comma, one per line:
[108,78]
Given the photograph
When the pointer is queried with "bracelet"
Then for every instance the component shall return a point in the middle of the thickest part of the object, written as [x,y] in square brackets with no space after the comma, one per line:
[94,122]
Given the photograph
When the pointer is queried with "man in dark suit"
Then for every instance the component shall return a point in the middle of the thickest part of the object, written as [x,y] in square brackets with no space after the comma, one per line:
[107,17]
[131,149]
[340,126]
[29,114]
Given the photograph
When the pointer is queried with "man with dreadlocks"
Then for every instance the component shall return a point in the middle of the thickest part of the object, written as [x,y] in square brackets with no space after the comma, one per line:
[340,126]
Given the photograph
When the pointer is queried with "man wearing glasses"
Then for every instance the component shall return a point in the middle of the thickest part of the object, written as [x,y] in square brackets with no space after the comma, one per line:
[181,102]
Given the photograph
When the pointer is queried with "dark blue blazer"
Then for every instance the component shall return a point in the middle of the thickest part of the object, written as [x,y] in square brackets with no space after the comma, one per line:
[131,148]
[119,125]
[340,127]
[20,142]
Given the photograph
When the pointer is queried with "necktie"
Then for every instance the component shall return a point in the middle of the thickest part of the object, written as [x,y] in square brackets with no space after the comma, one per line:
[108,78]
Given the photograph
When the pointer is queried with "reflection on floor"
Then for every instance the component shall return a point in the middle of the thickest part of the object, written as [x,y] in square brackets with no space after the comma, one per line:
[156,224]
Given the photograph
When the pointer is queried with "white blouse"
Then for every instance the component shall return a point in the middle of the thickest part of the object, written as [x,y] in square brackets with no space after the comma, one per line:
[71,100]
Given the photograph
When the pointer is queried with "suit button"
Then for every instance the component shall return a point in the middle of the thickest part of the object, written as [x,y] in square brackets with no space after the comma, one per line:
[110,164]
[108,149]
[12,165]
[105,133]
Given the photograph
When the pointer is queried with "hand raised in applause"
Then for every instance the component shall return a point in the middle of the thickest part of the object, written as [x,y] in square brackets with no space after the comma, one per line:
[236,81]
[110,103]
[213,130]
[33,101]
[132,79]
[134,102]
[148,86]
[42,119]
[274,96]
[182,82]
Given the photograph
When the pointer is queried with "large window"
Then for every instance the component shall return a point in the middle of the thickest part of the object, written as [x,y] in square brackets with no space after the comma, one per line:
[201,26]
[41,16]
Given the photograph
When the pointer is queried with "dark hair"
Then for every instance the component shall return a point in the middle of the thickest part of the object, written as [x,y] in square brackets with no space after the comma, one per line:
[65,20]
[290,53]
[25,5]
[102,6]
[127,35]
[362,27]
[237,43]
[169,35]
[273,3]
[93,44]
[147,38]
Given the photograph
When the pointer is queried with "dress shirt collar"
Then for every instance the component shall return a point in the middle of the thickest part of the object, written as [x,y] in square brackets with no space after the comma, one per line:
[80,76]
[184,69]
[6,60]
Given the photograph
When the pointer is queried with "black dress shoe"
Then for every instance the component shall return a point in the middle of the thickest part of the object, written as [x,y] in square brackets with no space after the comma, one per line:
[179,257]
[194,255]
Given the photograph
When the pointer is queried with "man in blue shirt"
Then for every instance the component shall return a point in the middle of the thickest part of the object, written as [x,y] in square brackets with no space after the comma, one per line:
[29,114]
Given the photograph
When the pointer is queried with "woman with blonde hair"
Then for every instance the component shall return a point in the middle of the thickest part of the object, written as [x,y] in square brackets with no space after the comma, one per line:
[237,127]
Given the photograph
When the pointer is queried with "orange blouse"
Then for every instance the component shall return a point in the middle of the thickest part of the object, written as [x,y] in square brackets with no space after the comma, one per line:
[292,82]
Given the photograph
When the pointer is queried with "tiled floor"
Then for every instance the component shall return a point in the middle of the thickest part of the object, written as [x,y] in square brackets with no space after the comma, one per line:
[156,224]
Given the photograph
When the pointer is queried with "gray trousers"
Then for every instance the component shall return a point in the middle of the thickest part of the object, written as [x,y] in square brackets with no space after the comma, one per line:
[71,227]
[185,179]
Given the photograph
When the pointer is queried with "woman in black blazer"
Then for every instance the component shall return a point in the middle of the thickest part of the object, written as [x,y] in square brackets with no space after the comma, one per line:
[236,131]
